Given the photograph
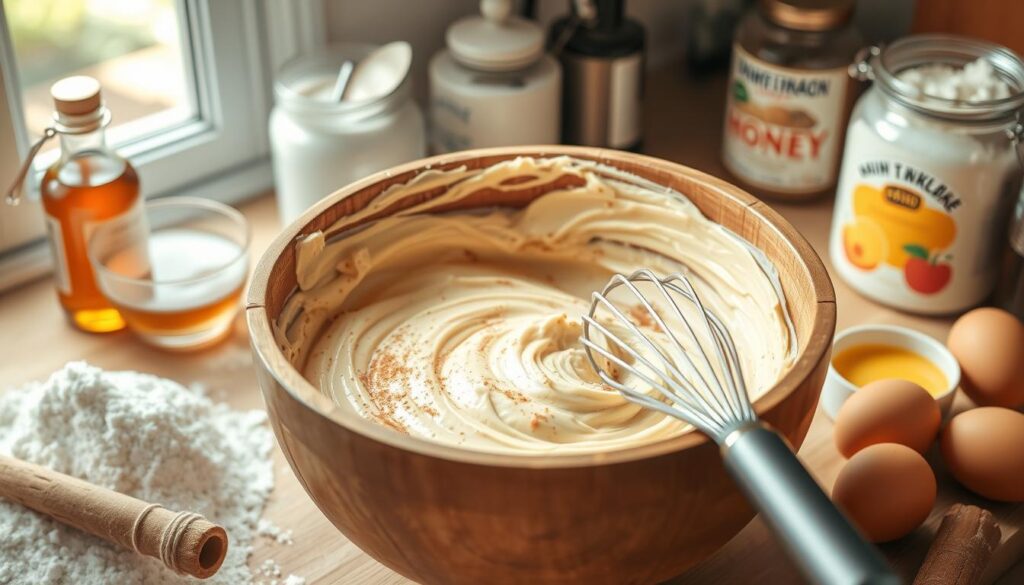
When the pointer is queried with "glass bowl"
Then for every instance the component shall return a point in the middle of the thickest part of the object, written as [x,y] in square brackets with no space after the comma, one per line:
[178,283]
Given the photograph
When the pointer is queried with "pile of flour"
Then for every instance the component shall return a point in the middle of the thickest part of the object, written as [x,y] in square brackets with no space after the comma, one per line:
[141,435]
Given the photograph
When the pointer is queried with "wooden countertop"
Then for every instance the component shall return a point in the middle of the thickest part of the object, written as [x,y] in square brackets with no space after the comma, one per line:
[684,120]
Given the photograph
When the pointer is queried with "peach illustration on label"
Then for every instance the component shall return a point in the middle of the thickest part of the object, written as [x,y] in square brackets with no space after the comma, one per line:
[864,243]
[926,273]
[906,220]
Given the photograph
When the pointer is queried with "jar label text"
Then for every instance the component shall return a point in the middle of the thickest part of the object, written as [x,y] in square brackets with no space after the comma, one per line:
[783,126]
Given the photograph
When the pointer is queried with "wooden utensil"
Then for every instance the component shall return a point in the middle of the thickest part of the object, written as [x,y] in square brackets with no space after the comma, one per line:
[962,548]
[184,541]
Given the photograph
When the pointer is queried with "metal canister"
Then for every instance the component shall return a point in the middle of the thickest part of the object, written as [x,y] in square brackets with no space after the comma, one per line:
[602,56]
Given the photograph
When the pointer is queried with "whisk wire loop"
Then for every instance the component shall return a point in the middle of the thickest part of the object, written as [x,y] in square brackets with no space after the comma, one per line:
[676,393]
[711,394]
[702,382]
[720,397]
[714,399]
[725,348]
[677,376]
[681,391]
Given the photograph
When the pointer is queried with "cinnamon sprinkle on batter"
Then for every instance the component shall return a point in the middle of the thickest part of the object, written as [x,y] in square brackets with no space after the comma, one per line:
[536,420]
[642,318]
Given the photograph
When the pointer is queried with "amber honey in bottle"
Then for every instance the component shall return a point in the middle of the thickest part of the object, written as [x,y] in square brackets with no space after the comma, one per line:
[89,185]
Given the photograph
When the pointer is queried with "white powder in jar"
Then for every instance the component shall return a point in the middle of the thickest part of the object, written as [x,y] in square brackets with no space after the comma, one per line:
[141,435]
[975,82]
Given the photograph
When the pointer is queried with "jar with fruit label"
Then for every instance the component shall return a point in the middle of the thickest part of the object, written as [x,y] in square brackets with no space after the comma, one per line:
[930,172]
[788,97]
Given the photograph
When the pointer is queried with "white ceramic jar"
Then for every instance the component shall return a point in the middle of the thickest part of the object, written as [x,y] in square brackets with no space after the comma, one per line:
[494,85]
[319,146]
[926,183]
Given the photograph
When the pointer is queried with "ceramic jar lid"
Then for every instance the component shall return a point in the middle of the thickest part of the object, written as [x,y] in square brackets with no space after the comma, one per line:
[495,41]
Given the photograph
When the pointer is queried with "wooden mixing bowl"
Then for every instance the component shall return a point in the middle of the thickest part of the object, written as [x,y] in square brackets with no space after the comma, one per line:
[444,515]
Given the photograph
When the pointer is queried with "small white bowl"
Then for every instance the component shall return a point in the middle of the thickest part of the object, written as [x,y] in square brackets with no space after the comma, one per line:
[837,389]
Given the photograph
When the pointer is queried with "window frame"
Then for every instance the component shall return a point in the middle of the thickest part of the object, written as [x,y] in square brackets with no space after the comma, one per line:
[223,153]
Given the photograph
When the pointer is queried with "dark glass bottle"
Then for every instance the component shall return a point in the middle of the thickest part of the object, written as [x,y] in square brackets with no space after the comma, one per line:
[789,97]
[602,56]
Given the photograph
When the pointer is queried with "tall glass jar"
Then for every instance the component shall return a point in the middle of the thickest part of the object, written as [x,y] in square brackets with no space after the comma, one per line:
[926,184]
[319,146]
[788,97]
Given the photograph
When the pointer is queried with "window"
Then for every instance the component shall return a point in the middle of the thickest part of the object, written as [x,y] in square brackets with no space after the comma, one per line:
[133,47]
[187,81]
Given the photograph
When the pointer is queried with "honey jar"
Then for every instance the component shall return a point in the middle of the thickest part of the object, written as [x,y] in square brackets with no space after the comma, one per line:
[788,97]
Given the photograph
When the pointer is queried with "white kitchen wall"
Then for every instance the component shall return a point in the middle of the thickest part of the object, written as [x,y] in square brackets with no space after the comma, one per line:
[423,22]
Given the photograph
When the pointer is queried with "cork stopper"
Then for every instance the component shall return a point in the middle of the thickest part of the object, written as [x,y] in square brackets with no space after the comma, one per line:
[78,95]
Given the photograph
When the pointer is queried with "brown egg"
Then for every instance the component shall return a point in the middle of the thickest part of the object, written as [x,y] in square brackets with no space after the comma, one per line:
[989,344]
[887,490]
[984,450]
[887,411]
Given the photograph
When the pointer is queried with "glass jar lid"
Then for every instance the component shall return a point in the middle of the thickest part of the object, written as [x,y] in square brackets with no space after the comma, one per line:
[884,66]
[808,15]
[496,41]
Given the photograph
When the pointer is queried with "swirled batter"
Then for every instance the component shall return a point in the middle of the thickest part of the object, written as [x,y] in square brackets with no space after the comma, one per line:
[463,327]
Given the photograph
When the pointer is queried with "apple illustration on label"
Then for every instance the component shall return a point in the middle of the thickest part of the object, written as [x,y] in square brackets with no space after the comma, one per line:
[924,272]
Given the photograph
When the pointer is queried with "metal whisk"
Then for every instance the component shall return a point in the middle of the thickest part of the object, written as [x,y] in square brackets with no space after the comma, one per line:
[709,392]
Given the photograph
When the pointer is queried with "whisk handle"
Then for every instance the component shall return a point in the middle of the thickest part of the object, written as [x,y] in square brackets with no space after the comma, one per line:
[817,535]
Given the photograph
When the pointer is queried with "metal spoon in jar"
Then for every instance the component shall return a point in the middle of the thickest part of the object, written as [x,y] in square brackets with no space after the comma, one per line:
[379,74]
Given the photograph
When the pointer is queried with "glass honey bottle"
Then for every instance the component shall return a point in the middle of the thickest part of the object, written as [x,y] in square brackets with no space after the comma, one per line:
[87,186]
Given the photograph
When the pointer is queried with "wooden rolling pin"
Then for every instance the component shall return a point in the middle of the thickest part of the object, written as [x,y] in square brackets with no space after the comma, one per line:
[187,543]
[963,546]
